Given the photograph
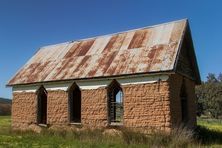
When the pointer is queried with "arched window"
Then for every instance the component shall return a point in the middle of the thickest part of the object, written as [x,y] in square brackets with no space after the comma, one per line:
[74,103]
[42,105]
[183,99]
[115,103]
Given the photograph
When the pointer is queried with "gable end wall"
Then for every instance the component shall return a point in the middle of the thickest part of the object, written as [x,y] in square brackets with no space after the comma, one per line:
[175,83]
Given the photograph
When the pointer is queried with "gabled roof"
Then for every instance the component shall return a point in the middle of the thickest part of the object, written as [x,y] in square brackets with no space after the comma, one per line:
[145,50]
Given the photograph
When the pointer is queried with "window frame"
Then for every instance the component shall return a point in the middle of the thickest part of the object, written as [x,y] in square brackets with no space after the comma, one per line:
[114,84]
[184,102]
[70,90]
[41,90]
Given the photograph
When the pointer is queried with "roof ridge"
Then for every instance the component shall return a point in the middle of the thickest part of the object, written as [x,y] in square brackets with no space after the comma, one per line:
[111,34]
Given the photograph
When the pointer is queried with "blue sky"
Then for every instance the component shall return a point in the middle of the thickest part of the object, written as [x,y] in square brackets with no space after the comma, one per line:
[26,25]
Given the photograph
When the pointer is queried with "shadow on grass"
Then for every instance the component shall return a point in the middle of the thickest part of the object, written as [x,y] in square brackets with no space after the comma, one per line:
[208,136]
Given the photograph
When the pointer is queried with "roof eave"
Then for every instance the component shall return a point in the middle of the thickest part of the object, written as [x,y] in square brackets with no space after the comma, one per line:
[188,31]
[167,72]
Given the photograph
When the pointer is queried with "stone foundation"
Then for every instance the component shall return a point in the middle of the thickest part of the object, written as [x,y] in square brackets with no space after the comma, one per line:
[152,105]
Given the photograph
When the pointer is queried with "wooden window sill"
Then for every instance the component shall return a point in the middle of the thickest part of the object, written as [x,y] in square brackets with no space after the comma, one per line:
[75,123]
[43,125]
[116,124]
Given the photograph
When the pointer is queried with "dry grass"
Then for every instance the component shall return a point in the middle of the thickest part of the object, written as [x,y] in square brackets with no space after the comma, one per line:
[92,138]
[179,137]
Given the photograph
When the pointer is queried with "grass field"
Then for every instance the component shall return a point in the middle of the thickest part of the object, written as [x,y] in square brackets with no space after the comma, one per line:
[208,134]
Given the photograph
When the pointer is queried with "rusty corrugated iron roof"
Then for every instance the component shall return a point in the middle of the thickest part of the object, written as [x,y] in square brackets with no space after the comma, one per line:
[145,50]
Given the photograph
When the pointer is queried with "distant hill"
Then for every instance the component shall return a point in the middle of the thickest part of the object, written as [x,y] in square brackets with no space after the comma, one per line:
[5,106]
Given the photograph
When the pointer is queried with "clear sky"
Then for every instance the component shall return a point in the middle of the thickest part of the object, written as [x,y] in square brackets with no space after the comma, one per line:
[26,25]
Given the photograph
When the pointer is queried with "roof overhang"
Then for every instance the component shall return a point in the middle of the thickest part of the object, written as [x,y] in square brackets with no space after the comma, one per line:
[187,39]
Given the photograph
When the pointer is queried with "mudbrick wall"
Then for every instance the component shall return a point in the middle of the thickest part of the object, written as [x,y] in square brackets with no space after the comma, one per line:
[175,82]
[23,110]
[94,108]
[57,109]
[154,105]
[147,106]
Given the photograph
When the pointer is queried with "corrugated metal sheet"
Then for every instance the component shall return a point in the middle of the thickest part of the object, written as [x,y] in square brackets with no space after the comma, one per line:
[150,49]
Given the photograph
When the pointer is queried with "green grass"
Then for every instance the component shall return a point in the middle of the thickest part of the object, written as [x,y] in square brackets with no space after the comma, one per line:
[5,121]
[212,124]
[208,134]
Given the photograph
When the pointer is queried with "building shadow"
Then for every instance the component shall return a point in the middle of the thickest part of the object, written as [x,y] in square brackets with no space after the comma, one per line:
[208,136]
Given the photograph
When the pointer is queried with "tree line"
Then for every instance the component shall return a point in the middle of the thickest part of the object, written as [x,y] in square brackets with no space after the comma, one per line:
[209,96]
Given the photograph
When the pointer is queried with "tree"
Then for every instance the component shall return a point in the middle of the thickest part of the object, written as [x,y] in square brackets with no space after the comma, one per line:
[211,78]
[209,95]
[219,77]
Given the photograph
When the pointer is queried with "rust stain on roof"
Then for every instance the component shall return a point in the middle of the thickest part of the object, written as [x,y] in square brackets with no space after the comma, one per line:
[140,37]
[114,43]
[150,49]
